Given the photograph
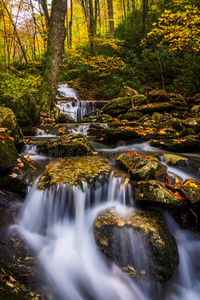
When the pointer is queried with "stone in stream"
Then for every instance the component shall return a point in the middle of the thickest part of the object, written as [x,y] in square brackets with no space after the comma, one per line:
[102,118]
[66,145]
[155,193]
[141,167]
[138,242]
[74,170]
[173,159]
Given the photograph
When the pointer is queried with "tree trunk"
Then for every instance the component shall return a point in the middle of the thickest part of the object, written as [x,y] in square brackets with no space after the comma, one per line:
[70,25]
[145,18]
[111,16]
[55,48]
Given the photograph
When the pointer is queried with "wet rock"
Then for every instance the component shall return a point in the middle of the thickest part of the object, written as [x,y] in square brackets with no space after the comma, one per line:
[126,91]
[195,109]
[155,193]
[192,123]
[103,118]
[157,117]
[155,107]
[173,123]
[173,159]
[111,136]
[138,242]
[8,151]
[158,96]
[141,167]
[66,145]
[186,132]
[9,121]
[131,114]
[74,170]
[63,118]
[117,106]
[187,143]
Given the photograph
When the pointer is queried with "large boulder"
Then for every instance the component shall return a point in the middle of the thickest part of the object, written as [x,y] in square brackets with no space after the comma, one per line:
[138,242]
[126,91]
[159,96]
[173,159]
[9,154]
[73,171]
[9,121]
[117,106]
[66,145]
[155,193]
[141,167]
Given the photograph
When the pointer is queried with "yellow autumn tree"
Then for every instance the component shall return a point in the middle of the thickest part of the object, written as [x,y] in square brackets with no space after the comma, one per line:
[180,30]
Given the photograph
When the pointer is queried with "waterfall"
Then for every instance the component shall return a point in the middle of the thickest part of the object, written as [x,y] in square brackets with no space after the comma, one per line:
[58,224]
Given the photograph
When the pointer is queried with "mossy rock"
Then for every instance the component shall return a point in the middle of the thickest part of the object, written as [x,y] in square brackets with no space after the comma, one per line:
[117,106]
[155,107]
[192,123]
[103,118]
[155,193]
[73,171]
[25,108]
[63,118]
[112,136]
[8,152]
[186,132]
[126,91]
[174,123]
[66,146]
[131,114]
[157,117]
[158,96]
[173,159]
[187,143]
[138,242]
[141,167]
[9,121]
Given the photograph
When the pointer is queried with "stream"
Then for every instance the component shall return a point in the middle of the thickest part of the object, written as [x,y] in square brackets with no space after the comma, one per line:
[58,224]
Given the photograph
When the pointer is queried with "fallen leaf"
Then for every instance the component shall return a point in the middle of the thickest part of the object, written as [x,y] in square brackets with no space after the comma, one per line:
[21,165]
[13,175]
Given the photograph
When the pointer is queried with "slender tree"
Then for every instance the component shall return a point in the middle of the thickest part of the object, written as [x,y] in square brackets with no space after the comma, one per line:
[111,16]
[145,18]
[55,48]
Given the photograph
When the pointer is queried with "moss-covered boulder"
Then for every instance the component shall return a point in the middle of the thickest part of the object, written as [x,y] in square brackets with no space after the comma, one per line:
[117,106]
[139,100]
[8,152]
[173,159]
[192,123]
[130,115]
[150,108]
[111,136]
[184,144]
[74,170]
[141,167]
[126,91]
[158,96]
[155,193]
[138,242]
[25,108]
[66,146]
[9,121]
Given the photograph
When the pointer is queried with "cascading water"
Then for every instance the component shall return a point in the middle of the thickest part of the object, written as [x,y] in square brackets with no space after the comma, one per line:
[75,109]
[58,224]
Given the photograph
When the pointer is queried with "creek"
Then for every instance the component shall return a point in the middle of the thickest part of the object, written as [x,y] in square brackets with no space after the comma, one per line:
[58,224]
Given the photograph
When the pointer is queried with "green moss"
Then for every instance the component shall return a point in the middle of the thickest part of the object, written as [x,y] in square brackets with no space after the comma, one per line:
[73,170]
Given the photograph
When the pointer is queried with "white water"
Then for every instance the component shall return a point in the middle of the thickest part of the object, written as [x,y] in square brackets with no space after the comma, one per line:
[58,224]
[32,152]
[75,109]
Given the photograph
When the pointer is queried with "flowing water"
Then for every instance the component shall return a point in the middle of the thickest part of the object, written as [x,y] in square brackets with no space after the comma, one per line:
[75,109]
[58,224]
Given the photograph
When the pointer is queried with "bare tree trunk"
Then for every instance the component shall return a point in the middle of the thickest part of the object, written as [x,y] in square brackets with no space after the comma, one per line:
[145,18]
[55,48]
[92,27]
[110,16]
